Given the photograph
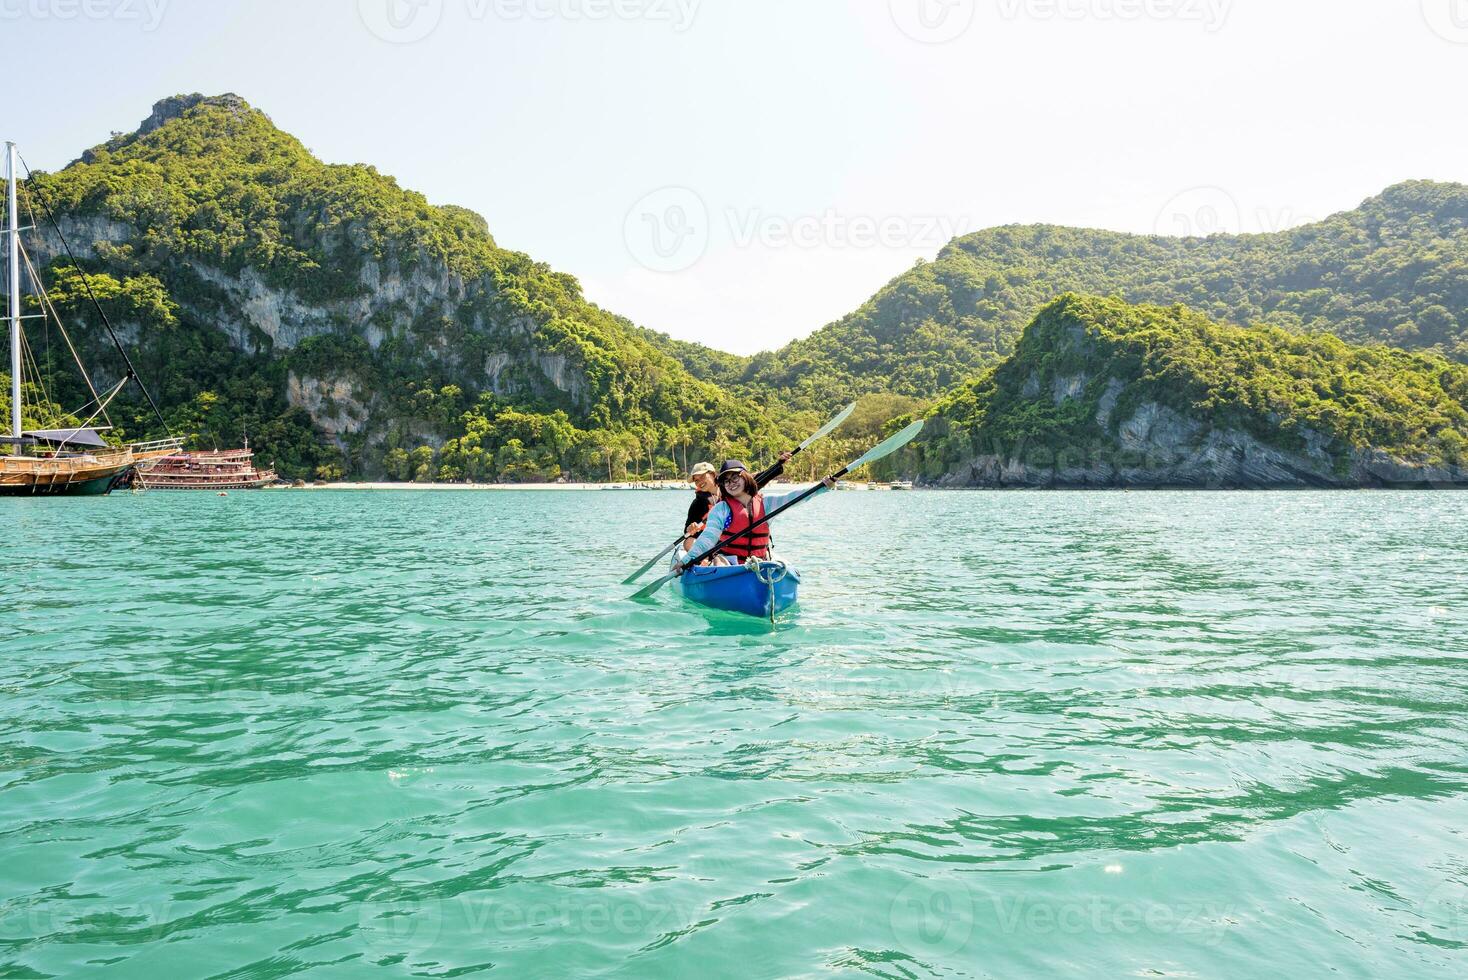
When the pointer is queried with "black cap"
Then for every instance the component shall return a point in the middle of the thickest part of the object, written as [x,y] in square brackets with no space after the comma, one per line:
[732,466]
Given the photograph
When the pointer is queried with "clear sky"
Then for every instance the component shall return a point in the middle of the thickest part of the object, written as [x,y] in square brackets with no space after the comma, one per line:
[741,172]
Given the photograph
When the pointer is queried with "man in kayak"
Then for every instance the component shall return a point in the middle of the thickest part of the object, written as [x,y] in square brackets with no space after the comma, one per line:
[706,493]
[743,504]
[706,487]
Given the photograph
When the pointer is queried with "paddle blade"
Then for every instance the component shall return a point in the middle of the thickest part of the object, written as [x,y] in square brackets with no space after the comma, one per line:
[647,592]
[890,446]
[655,559]
[830,426]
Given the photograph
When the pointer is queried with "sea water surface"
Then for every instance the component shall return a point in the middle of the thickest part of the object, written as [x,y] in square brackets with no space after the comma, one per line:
[341,734]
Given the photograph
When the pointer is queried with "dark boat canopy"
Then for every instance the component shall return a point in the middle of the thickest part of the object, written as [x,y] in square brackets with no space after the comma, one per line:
[70,437]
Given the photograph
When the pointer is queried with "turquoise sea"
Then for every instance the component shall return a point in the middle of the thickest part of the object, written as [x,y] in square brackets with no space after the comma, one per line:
[340,734]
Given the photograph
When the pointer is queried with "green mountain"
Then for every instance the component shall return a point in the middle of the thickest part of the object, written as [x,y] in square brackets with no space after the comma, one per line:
[347,324]
[1394,270]
[1099,392]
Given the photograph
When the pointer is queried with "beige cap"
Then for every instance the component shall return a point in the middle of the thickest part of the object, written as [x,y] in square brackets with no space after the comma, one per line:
[700,468]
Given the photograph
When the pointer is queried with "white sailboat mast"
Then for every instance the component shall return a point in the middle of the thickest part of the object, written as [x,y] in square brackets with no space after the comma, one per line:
[13,242]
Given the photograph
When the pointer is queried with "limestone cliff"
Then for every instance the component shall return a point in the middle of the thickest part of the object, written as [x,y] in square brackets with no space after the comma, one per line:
[1100,393]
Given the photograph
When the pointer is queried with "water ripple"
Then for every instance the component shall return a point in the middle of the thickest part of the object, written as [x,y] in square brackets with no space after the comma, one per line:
[1004,735]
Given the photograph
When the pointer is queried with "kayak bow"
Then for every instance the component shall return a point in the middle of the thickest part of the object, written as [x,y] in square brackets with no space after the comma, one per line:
[765,590]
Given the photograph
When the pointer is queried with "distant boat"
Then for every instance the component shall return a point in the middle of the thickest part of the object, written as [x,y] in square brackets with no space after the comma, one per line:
[902,485]
[69,459]
[227,469]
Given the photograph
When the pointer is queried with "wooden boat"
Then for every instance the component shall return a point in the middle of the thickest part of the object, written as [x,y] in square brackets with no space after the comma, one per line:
[765,590]
[71,461]
[225,469]
[76,459]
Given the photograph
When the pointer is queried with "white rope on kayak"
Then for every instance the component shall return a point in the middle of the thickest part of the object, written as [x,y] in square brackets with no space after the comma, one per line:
[770,572]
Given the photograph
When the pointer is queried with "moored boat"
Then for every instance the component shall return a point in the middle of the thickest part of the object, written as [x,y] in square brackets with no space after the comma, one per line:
[69,461]
[225,469]
[766,590]
[73,460]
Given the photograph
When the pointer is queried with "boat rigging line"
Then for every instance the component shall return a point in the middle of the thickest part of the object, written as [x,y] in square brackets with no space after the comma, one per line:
[132,374]
[47,304]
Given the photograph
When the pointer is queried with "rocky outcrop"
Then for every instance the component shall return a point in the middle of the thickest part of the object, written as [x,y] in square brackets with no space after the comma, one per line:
[1157,447]
[258,315]
[1097,385]
[167,110]
[173,107]
[332,404]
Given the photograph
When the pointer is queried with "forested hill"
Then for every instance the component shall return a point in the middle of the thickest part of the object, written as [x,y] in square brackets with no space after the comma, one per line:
[1394,270]
[1099,392]
[346,324]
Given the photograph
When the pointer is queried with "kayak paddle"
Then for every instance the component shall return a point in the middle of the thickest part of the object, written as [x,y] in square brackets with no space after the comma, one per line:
[886,448]
[821,433]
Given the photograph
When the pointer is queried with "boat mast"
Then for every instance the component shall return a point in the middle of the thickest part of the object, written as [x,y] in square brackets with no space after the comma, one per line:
[13,241]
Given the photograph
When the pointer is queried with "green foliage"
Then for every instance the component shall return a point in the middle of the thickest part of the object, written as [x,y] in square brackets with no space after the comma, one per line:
[396,464]
[870,422]
[1085,365]
[1394,270]
[405,317]
[208,391]
[345,324]
[420,464]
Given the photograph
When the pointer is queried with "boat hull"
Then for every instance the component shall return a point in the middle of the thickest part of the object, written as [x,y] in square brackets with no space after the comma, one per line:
[738,589]
[98,487]
[154,483]
[26,477]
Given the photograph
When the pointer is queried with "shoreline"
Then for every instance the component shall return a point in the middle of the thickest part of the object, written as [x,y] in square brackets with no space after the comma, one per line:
[469,487]
[490,487]
[873,488]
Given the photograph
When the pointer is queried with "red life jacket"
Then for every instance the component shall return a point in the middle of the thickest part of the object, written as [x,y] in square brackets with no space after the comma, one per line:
[757,542]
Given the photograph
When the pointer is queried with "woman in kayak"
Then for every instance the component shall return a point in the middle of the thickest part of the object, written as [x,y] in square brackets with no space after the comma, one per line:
[706,487]
[743,504]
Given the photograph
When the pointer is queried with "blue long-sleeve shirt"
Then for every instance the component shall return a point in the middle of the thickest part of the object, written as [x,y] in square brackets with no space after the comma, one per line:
[720,516]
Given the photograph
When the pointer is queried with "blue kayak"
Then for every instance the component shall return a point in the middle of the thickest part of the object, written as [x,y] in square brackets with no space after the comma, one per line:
[765,591]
